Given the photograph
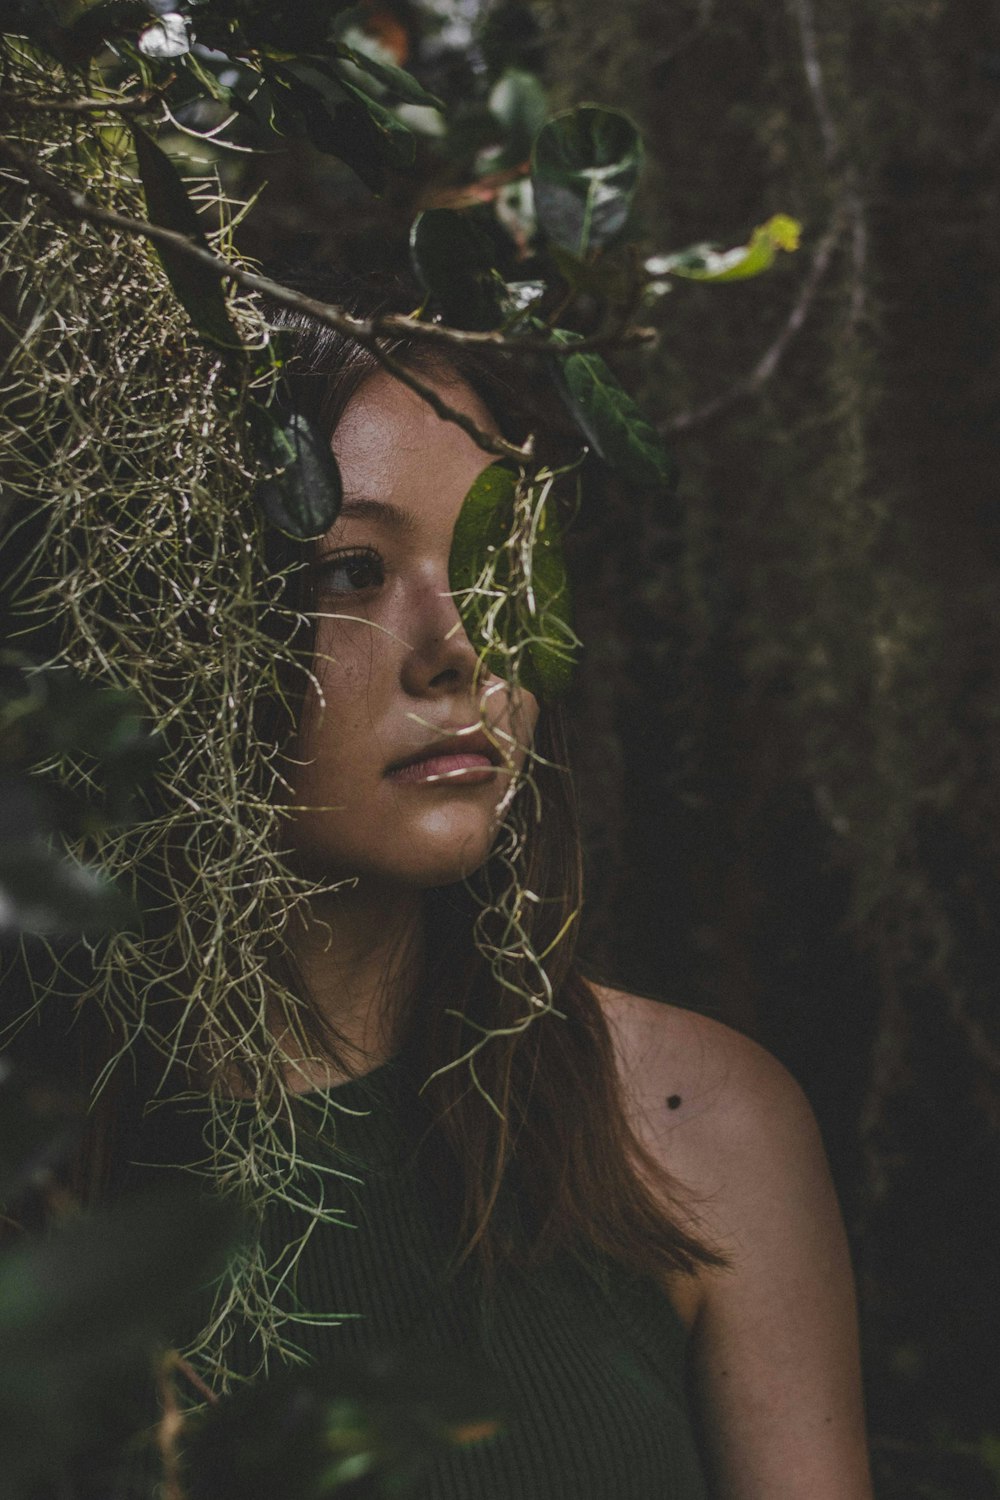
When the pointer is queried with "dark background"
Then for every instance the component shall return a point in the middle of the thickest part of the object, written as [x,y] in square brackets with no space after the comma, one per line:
[787,717]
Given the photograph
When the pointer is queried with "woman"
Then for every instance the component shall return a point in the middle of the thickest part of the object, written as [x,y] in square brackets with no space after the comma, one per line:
[771,1321]
[598,1193]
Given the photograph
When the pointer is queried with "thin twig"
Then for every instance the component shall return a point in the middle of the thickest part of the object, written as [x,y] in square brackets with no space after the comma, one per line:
[365,331]
[765,367]
[805,17]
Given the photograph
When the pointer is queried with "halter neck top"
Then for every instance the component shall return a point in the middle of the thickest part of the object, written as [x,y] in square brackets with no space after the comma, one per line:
[594,1363]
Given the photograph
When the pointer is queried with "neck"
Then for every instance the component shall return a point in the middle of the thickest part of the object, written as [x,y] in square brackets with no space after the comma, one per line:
[360,952]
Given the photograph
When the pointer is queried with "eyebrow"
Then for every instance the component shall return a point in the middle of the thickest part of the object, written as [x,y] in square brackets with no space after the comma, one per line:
[401,520]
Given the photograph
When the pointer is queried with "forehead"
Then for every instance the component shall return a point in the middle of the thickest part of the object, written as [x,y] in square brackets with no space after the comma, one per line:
[391,445]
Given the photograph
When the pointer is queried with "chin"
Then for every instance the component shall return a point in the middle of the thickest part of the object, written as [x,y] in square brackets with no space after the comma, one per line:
[444,871]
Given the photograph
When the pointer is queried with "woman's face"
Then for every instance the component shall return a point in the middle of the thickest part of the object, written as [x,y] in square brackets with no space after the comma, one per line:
[393,662]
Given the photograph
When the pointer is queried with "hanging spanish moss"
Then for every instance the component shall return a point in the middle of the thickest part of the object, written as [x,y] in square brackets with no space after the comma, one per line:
[138,559]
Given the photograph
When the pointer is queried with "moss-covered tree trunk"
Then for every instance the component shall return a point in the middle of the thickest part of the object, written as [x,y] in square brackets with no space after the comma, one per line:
[792,697]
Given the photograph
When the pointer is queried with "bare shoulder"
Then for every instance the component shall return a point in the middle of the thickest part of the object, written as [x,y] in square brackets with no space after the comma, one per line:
[775,1331]
[688,1078]
[723,1116]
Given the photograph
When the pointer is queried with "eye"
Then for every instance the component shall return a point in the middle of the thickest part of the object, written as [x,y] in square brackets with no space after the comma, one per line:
[362,566]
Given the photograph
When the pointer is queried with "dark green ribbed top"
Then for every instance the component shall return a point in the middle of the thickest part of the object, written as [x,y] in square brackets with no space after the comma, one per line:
[594,1363]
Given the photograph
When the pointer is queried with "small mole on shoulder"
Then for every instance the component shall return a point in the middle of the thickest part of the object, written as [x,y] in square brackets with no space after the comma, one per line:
[673,1101]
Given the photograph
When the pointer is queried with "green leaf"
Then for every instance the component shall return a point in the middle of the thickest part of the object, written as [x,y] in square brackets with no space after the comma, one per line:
[708,263]
[197,288]
[398,141]
[585,167]
[453,258]
[609,418]
[483,527]
[518,101]
[396,81]
[304,499]
[343,121]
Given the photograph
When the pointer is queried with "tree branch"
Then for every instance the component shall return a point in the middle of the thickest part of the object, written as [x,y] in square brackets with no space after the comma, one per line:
[365,331]
[78,206]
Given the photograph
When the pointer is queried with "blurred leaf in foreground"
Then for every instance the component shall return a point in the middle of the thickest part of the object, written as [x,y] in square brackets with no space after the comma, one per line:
[367,1427]
[81,1313]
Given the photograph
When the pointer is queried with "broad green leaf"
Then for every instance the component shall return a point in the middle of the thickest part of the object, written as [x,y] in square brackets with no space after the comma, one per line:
[304,499]
[708,263]
[198,289]
[481,531]
[585,167]
[609,418]
[518,101]
[396,81]
[453,258]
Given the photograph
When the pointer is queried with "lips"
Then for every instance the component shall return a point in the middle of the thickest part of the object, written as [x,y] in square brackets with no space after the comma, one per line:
[474,743]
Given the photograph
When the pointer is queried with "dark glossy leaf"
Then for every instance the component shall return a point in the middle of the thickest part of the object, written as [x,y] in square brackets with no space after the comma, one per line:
[453,258]
[396,81]
[610,419]
[373,1422]
[85,1306]
[198,289]
[250,94]
[585,167]
[482,529]
[304,499]
[398,141]
[342,121]
[40,1123]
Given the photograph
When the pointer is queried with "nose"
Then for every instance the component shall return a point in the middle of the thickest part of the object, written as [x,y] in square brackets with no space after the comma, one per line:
[439,655]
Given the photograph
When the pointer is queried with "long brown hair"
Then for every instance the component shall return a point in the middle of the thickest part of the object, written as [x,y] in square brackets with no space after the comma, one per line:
[546,1114]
